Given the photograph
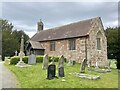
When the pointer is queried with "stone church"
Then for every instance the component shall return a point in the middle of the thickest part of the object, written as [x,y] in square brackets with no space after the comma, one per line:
[76,41]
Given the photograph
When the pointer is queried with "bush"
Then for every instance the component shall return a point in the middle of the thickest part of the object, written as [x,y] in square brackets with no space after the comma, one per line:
[14,60]
[39,59]
[25,59]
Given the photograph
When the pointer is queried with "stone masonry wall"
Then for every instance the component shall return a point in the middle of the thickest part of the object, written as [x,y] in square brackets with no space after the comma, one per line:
[62,48]
[93,54]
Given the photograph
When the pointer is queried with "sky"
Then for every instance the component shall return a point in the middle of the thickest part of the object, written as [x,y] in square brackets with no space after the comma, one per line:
[25,15]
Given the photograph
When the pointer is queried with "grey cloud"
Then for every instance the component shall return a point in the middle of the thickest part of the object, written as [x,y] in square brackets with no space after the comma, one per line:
[56,14]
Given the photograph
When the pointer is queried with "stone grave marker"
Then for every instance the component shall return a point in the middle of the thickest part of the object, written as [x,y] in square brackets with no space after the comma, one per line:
[109,70]
[83,64]
[51,71]
[71,63]
[61,66]
[89,65]
[16,53]
[96,66]
[45,62]
[32,59]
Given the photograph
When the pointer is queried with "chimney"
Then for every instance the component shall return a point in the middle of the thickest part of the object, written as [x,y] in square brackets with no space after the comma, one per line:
[40,26]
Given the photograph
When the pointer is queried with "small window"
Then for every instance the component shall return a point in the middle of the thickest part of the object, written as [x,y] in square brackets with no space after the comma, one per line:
[52,46]
[98,44]
[72,44]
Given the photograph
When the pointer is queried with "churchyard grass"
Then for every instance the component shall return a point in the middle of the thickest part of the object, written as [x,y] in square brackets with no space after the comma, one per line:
[35,77]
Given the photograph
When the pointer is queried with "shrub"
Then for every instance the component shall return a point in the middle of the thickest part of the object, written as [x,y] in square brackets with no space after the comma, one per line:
[25,59]
[39,59]
[14,60]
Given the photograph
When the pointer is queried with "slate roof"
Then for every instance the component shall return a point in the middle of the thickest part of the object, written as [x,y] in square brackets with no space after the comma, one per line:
[36,45]
[77,29]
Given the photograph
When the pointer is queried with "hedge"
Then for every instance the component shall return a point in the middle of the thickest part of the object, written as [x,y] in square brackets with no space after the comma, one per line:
[39,59]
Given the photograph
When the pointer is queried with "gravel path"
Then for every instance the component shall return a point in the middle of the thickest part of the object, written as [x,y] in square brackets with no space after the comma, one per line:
[7,78]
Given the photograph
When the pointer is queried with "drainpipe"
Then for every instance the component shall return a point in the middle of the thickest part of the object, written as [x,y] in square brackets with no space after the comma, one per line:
[86,48]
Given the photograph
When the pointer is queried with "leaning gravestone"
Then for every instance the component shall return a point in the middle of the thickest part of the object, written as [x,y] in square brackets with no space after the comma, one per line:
[61,66]
[45,62]
[51,71]
[32,59]
[83,64]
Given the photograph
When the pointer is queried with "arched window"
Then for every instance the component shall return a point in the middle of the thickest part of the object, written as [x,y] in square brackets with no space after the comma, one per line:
[98,38]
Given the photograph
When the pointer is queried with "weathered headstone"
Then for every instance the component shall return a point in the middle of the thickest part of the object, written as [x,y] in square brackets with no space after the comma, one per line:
[96,66]
[45,62]
[16,53]
[109,70]
[89,65]
[51,71]
[32,59]
[61,66]
[61,61]
[83,64]
[71,63]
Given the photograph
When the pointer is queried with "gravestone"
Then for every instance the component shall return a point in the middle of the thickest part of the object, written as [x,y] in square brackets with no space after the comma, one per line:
[61,61]
[71,63]
[109,70]
[51,71]
[32,59]
[89,65]
[45,62]
[96,66]
[61,66]
[16,53]
[61,72]
[83,64]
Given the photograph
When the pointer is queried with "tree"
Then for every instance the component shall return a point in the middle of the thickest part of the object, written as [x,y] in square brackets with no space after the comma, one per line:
[113,44]
[10,39]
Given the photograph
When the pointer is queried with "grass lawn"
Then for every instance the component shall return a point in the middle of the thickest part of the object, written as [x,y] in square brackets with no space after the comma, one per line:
[35,77]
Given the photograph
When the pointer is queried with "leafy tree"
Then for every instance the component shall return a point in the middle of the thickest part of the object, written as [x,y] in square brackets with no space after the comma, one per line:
[113,44]
[10,39]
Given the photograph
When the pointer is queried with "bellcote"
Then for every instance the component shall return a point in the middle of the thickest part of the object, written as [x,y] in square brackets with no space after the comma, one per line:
[40,25]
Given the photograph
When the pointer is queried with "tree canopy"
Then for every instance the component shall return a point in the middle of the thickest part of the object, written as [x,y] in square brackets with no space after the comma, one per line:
[11,39]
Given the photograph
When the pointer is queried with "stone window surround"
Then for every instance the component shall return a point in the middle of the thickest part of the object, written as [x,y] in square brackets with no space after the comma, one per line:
[99,36]
[72,44]
[52,46]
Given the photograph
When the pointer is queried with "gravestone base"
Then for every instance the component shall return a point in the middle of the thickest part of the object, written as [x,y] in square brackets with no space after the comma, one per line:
[21,64]
[86,76]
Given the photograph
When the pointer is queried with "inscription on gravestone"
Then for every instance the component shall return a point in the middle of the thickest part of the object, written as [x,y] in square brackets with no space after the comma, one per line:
[51,71]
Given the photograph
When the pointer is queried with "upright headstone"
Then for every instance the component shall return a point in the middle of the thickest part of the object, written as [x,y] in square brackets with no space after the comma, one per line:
[16,53]
[51,71]
[45,62]
[83,64]
[61,66]
[32,59]
[89,65]
[96,66]
[109,70]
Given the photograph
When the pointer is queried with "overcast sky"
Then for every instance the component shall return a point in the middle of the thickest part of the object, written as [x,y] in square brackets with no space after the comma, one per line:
[25,15]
